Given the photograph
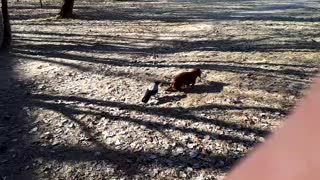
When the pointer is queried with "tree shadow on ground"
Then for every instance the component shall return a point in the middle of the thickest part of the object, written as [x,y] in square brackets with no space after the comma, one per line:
[181,113]
[15,140]
[170,98]
[56,51]
[170,46]
[20,148]
[129,163]
[206,11]
[286,74]
[208,87]
[186,11]
[255,63]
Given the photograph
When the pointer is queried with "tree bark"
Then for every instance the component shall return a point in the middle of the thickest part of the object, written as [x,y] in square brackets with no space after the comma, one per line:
[67,8]
[6,28]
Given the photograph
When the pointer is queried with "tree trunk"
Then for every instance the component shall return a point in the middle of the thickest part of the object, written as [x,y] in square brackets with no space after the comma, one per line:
[67,8]
[5,29]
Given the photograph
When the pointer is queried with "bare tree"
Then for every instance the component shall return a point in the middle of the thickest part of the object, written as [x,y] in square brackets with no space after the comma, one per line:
[5,27]
[67,9]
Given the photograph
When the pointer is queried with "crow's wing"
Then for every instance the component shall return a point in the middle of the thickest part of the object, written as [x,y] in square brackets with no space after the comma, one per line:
[153,87]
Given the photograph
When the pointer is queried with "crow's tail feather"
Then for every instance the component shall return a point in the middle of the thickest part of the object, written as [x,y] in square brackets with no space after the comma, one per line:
[146,97]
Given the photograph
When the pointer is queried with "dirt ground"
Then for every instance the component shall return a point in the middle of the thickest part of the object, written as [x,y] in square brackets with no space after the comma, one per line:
[71,89]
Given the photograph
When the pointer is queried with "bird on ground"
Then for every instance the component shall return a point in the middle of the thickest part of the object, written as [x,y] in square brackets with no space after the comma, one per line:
[151,91]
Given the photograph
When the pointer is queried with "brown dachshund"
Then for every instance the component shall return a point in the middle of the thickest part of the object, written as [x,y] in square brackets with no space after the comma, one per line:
[185,79]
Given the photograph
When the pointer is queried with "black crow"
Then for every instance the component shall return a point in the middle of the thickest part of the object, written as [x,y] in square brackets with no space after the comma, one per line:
[151,91]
